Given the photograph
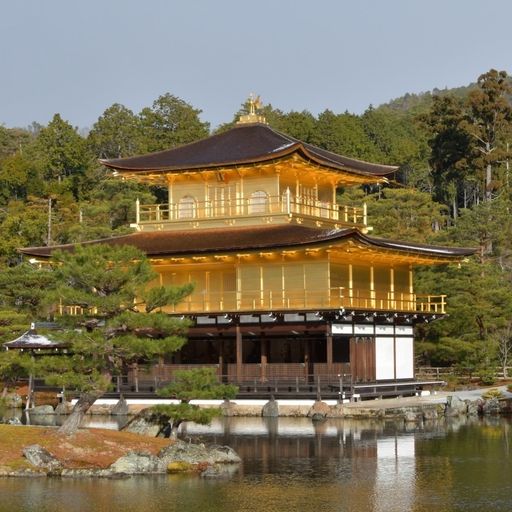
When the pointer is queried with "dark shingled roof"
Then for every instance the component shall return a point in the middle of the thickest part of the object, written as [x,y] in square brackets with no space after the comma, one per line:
[244,144]
[230,240]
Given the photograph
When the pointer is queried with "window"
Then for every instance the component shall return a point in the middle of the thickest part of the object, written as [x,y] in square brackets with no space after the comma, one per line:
[258,202]
[187,208]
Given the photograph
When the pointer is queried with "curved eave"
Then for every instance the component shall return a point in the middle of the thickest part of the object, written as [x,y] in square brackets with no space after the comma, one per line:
[156,244]
[376,176]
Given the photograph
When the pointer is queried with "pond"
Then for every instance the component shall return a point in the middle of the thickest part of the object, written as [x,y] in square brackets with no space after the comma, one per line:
[296,465]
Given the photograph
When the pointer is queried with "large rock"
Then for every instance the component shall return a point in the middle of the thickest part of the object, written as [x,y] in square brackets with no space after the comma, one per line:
[135,463]
[42,458]
[42,410]
[491,407]
[270,409]
[121,408]
[143,424]
[180,451]
[455,406]
[319,410]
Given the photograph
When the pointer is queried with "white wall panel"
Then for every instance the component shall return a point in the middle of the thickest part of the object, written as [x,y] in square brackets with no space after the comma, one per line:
[404,358]
[384,358]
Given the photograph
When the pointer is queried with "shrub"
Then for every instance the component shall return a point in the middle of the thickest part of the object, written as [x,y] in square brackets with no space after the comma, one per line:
[492,393]
[487,377]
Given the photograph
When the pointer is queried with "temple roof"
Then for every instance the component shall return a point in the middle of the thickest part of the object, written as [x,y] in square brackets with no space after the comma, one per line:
[236,239]
[31,340]
[244,144]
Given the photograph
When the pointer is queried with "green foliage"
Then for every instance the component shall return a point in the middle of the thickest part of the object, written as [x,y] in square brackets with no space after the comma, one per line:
[14,365]
[109,283]
[61,148]
[487,378]
[200,383]
[115,134]
[183,412]
[169,123]
[404,214]
[25,288]
[344,134]
[100,276]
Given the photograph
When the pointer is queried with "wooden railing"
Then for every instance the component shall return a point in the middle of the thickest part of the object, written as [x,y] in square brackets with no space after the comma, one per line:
[334,298]
[247,207]
[283,300]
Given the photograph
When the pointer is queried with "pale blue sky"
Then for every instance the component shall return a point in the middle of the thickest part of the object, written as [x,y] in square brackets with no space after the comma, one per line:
[79,57]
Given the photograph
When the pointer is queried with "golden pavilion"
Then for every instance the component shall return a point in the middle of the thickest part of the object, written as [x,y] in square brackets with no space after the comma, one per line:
[290,289]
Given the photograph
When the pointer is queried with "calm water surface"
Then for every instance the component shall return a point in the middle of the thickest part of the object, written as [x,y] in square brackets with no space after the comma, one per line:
[295,465]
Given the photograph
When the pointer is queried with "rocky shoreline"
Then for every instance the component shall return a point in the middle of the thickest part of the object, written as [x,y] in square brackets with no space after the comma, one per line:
[178,457]
[409,408]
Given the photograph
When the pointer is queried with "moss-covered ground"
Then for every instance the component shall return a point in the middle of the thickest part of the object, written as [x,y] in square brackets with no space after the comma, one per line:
[88,448]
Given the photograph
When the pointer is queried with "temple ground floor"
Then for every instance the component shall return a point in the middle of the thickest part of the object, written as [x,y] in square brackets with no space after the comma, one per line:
[301,354]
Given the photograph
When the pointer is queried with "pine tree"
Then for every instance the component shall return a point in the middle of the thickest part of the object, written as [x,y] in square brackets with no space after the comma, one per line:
[119,322]
[200,383]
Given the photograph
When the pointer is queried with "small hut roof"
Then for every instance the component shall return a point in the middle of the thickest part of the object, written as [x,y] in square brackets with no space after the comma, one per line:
[31,340]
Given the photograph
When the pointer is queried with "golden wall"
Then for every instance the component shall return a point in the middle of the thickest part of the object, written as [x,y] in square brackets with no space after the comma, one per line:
[304,282]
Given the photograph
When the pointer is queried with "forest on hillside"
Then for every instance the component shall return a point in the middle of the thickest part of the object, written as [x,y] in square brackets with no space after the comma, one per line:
[453,188]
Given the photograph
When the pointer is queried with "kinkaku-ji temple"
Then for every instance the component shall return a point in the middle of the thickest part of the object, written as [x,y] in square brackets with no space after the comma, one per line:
[291,293]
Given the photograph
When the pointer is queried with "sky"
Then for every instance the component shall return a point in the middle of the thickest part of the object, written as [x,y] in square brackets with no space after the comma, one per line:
[78,57]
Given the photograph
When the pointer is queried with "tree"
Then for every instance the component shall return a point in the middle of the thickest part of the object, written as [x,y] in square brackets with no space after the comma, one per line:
[12,140]
[451,148]
[169,123]
[344,134]
[115,134]
[488,119]
[404,214]
[200,383]
[121,321]
[480,306]
[13,366]
[61,150]
[300,125]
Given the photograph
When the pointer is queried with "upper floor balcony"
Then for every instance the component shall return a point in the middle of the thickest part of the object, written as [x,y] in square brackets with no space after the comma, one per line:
[293,300]
[189,212]
[249,301]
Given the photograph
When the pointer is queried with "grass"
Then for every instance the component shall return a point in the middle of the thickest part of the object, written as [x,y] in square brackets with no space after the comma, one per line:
[88,448]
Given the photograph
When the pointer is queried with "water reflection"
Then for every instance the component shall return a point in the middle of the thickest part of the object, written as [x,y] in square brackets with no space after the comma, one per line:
[295,464]
[55,420]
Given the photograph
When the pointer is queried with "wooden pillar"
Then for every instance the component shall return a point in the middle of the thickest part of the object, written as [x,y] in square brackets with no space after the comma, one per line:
[238,354]
[220,372]
[136,377]
[263,358]
[329,350]
[307,358]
